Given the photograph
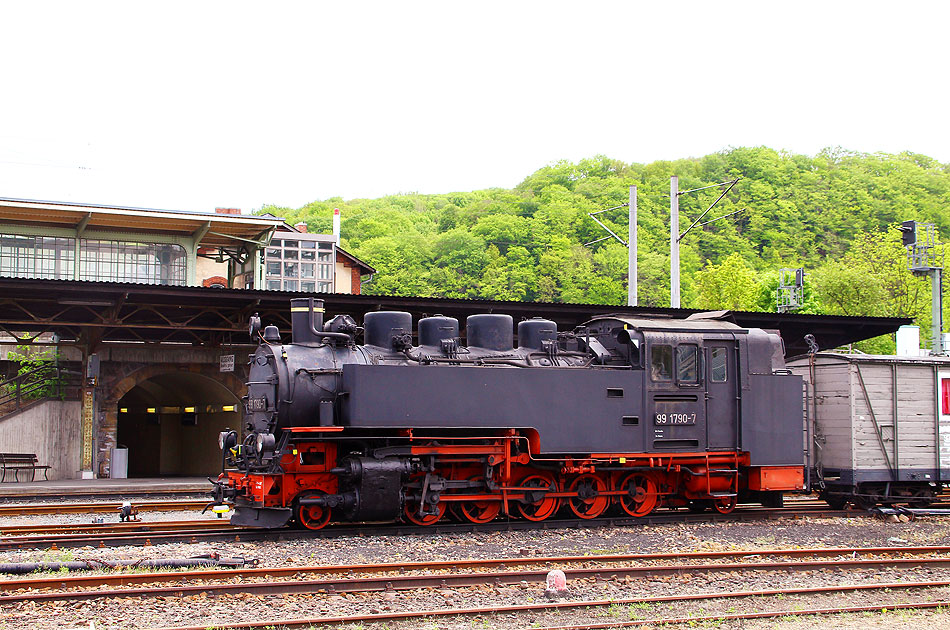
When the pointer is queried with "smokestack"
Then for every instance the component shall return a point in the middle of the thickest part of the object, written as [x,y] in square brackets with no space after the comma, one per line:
[227,211]
[300,227]
[306,318]
[336,225]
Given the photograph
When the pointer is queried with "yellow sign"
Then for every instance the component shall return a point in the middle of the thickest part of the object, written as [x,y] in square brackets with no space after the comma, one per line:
[88,409]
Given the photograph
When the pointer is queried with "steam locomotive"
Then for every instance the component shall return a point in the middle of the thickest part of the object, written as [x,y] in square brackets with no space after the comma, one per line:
[621,413]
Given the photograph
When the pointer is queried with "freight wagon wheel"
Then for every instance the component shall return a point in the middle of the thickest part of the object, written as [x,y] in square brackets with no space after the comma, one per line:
[724,505]
[479,511]
[537,506]
[590,501]
[312,516]
[411,512]
[640,497]
[923,497]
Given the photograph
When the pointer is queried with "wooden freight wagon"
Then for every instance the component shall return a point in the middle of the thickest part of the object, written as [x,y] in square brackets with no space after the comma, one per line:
[879,426]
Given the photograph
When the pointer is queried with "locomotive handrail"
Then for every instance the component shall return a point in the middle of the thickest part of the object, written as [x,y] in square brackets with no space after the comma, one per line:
[425,358]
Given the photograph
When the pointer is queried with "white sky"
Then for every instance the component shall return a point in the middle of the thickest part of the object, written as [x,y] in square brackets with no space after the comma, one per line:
[192,105]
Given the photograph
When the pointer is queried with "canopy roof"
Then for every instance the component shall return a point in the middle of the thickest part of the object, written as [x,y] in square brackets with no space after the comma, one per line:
[214,230]
[82,312]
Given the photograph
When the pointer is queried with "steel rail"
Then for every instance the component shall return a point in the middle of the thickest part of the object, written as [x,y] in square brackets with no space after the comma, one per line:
[557,606]
[97,492]
[34,509]
[753,615]
[444,580]
[86,581]
[139,538]
[110,528]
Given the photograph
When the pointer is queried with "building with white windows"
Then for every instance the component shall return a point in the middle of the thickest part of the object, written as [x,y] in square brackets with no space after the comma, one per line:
[69,241]
[138,352]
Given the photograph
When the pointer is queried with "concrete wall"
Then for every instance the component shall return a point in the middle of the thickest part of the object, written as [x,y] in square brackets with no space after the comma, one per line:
[51,430]
[347,277]
[206,268]
[341,280]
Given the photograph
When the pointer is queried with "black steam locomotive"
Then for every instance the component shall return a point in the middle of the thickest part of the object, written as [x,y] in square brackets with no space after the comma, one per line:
[621,413]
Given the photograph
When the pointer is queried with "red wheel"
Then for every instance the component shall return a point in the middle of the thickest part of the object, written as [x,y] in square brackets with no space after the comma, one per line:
[590,501]
[482,511]
[537,506]
[312,516]
[724,505]
[455,511]
[640,496]
[425,519]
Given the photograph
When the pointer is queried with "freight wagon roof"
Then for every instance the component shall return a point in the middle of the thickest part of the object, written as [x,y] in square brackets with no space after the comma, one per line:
[825,358]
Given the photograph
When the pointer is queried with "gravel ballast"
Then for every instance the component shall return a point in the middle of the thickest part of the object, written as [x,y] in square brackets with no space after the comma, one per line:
[786,533]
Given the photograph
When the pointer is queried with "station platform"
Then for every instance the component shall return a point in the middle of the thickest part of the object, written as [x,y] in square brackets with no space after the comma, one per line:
[136,487]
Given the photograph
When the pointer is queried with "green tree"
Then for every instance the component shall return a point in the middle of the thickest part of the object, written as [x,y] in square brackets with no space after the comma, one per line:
[831,213]
[36,365]
[731,285]
[459,260]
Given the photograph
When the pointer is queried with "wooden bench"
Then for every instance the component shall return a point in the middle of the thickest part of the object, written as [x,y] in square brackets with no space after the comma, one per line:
[17,462]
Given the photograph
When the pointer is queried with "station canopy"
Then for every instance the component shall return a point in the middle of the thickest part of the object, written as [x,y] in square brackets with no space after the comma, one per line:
[215,230]
[89,313]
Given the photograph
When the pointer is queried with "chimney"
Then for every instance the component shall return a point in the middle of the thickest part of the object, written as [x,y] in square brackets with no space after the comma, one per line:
[227,211]
[300,227]
[336,225]
[306,319]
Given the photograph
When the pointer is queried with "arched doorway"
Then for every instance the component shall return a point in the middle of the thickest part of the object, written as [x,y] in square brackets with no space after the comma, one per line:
[170,424]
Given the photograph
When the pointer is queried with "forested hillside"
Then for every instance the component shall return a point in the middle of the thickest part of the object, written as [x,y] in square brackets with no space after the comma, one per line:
[834,214]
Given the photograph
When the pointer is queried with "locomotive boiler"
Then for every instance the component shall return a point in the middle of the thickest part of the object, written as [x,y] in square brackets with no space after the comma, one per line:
[622,413]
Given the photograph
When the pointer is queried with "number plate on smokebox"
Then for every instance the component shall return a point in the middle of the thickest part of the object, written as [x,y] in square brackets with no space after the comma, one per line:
[257,404]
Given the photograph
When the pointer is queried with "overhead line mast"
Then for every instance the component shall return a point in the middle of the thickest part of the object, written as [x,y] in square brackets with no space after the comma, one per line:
[676,237]
[630,244]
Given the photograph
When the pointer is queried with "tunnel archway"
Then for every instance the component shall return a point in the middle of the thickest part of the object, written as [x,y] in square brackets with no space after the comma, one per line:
[170,423]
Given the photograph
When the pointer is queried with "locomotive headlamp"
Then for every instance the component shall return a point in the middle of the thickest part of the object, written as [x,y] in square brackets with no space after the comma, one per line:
[227,439]
[265,442]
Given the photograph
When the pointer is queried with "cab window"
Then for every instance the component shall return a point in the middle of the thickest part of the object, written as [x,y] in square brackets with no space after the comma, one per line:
[687,363]
[717,365]
[661,363]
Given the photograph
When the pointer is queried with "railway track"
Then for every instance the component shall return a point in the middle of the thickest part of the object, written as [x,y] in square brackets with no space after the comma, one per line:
[111,528]
[110,535]
[459,580]
[104,493]
[110,507]
[36,509]
[691,620]
[389,577]
[409,575]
